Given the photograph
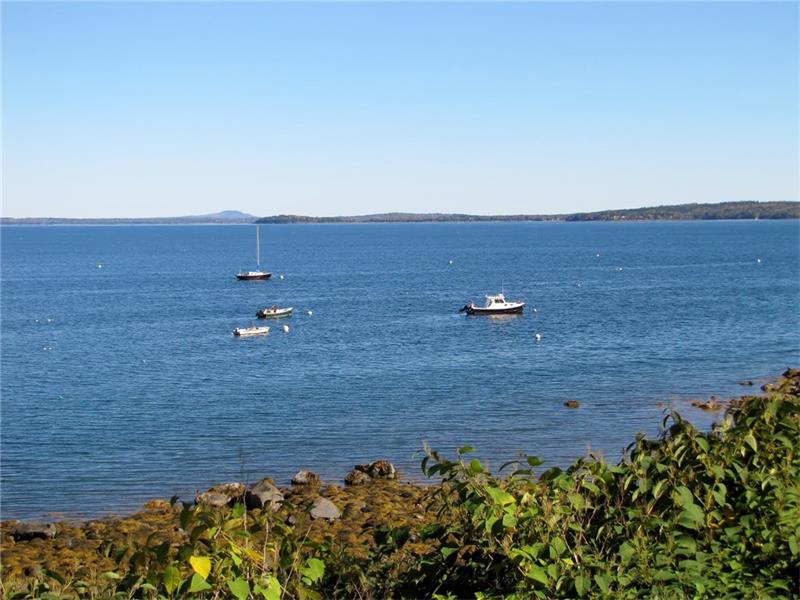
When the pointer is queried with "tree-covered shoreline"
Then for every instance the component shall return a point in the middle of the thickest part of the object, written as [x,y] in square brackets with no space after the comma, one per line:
[678,212]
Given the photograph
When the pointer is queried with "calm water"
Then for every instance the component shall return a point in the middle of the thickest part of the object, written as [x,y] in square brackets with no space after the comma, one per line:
[123,383]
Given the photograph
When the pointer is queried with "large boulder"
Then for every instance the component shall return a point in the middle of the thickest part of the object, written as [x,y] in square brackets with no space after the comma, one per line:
[263,494]
[322,508]
[31,530]
[220,495]
[305,478]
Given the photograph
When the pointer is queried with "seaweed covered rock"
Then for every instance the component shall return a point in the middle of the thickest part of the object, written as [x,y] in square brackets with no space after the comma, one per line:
[221,494]
[356,477]
[380,469]
[305,478]
[31,530]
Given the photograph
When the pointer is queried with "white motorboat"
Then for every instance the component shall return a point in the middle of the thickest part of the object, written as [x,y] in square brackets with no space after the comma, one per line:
[495,305]
[250,331]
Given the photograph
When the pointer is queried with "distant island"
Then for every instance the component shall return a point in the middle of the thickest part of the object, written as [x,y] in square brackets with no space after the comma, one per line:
[223,217]
[677,212]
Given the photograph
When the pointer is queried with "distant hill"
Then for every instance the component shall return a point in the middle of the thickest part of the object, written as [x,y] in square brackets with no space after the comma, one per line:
[225,216]
[678,212]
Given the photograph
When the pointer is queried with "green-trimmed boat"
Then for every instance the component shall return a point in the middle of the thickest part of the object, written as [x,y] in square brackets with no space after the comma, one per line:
[274,312]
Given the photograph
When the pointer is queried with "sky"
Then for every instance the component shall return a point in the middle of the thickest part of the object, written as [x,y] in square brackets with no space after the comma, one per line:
[118,109]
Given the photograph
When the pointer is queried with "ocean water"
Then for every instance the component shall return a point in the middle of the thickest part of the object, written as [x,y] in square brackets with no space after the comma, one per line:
[121,380]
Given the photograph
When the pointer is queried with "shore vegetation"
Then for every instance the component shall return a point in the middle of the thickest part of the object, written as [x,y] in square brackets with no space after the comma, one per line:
[691,514]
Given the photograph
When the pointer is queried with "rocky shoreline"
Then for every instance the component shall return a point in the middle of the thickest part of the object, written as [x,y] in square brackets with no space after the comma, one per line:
[372,497]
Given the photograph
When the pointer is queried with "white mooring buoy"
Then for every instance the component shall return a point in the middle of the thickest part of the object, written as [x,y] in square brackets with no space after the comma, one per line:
[286,329]
[310,313]
[538,337]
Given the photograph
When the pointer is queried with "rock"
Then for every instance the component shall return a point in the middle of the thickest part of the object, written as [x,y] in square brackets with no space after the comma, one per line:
[356,477]
[746,382]
[157,505]
[712,404]
[382,469]
[572,403]
[324,509]
[221,495]
[32,530]
[305,478]
[234,490]
[352,509]
[263,494]
[212,499]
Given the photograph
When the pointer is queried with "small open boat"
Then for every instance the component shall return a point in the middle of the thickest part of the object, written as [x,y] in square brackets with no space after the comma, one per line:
[274,312]
[249,331]
[495,305]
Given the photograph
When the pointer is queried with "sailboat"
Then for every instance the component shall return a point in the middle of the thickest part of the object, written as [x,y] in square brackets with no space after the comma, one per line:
[258,273]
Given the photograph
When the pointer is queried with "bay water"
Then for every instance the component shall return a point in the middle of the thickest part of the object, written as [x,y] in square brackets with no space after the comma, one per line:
[121,381]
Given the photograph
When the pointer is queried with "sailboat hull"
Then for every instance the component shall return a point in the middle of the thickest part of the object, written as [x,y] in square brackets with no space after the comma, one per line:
[258,274]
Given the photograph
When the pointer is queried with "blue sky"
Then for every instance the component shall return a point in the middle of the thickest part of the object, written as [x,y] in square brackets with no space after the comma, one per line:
[158,109]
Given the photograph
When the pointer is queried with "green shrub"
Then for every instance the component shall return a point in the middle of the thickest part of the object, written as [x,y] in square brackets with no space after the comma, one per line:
[692,514]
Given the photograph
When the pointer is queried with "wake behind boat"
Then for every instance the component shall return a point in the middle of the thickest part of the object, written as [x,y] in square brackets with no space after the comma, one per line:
[495,305]
[274,312]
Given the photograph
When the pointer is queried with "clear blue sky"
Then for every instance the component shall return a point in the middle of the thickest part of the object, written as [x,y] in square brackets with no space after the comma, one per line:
[158,109]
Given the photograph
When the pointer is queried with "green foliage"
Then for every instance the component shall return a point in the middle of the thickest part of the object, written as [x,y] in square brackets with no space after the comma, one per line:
[692,514]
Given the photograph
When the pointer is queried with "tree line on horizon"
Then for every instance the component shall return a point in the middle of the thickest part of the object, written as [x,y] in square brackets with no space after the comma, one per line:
[678,212]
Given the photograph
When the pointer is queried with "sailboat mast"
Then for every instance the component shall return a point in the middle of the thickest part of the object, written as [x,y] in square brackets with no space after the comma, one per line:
[258,246]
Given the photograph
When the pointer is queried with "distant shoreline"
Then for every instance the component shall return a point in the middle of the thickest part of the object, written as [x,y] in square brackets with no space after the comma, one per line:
[724,211]
[121,223]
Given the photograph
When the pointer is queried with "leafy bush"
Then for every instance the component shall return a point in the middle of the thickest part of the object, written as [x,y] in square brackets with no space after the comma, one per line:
[693,514]
[697,514]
